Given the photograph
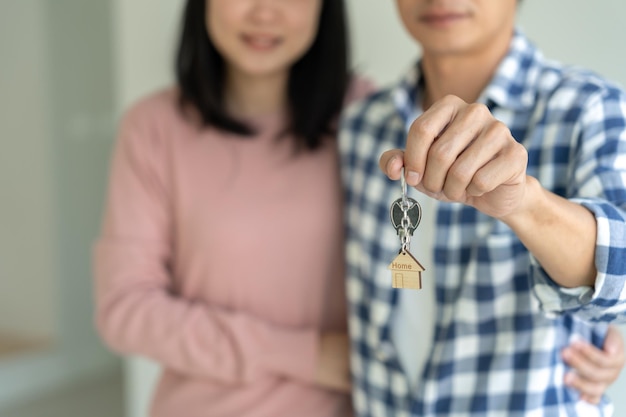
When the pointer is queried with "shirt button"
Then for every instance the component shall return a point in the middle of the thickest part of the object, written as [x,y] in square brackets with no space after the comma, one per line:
[385,351]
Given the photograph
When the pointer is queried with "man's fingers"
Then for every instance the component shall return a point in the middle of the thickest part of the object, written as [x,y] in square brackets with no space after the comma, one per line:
[391,163]
[490,160]
[424,131]
[459,149]
[455,151]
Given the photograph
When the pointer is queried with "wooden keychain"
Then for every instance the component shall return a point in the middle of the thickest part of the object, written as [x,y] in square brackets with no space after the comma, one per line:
[405,213]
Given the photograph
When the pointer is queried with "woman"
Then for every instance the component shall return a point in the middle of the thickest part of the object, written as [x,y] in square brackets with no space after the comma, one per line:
[221,255]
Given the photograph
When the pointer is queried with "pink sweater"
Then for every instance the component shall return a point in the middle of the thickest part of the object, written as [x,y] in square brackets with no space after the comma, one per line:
[221,258]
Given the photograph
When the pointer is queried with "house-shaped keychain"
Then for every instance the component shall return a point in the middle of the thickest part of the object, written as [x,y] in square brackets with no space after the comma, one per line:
[406,271]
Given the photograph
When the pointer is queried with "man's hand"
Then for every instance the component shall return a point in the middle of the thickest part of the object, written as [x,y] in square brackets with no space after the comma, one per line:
[459,152]
[333,369]
[594,369]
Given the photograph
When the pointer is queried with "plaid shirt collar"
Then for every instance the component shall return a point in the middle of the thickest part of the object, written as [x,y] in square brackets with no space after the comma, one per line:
[509,88]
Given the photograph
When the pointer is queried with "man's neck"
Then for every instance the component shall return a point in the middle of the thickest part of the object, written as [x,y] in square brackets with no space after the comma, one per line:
[462,75]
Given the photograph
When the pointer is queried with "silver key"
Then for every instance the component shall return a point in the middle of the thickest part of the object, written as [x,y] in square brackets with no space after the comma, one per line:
[413,212]
[405,213]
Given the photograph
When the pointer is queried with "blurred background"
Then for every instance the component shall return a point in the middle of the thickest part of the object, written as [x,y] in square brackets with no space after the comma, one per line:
[68,69]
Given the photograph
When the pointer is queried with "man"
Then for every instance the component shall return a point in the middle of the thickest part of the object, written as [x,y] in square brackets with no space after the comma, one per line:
[523,195]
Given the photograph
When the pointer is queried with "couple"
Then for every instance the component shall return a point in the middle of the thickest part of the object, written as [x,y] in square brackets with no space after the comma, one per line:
[222,253]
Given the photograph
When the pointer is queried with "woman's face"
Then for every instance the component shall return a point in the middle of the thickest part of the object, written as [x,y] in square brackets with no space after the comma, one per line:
[262,37]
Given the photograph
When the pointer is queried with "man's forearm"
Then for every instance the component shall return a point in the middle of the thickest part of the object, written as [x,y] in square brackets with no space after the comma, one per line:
[559,233]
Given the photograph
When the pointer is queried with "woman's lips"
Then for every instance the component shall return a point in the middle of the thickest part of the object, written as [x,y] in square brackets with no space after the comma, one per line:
[261,42]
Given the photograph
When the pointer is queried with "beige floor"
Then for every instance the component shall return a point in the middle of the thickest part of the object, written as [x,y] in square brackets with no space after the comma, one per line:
[97,398]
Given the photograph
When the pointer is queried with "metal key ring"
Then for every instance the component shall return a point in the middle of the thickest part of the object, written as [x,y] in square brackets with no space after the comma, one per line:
[405,202]
[403,183]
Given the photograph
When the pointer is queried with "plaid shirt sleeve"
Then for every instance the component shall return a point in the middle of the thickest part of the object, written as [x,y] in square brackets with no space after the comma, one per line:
[599,185]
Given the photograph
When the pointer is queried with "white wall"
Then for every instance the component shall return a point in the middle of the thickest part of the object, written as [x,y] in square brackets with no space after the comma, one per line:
[144,46]
[56,127]
[381,49]
[26,225]
[587,33]
[80,82]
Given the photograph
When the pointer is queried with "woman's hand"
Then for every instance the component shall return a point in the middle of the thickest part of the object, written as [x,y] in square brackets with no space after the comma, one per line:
[594,370]
[333,369]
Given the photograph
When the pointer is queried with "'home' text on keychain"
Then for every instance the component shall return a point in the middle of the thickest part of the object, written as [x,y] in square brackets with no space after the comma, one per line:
[405,213]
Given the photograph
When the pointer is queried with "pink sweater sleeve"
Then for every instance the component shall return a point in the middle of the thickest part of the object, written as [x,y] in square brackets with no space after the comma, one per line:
[138,311]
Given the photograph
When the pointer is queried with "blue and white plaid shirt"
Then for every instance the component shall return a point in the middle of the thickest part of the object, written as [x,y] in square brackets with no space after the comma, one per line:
[500,322]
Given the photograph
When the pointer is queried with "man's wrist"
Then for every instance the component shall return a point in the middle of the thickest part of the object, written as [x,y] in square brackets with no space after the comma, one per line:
[524,216]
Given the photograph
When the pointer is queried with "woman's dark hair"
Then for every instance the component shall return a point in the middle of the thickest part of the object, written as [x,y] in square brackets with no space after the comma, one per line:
[317,82]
